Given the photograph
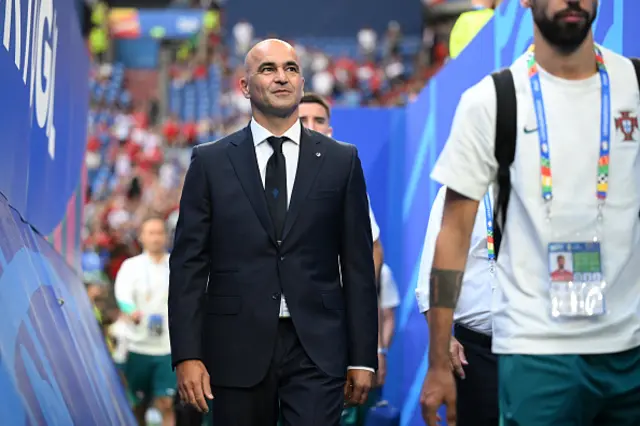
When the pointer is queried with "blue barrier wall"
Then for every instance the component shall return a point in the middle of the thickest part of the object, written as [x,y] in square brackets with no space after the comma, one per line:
[54,366]
[400,188]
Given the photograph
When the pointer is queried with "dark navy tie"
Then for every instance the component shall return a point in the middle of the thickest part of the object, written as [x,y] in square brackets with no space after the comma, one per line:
[275,185]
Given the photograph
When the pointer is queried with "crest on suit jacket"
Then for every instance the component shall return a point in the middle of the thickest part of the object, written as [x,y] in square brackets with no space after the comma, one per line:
[627,124]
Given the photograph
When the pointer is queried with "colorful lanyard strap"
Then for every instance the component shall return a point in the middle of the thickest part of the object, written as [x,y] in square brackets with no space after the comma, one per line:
[602,185]
[488,211]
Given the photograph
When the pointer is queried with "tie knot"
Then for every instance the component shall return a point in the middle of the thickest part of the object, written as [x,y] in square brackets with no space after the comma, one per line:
[276,143]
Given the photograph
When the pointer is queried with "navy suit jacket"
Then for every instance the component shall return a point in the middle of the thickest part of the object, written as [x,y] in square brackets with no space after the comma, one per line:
[228,271]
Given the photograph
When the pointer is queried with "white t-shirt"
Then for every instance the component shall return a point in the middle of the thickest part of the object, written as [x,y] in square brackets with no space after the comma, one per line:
[389,297]
[375,229]
[521,303]
[144,284]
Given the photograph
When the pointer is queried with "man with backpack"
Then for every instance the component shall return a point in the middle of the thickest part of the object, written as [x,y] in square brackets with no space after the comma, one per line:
[569,349]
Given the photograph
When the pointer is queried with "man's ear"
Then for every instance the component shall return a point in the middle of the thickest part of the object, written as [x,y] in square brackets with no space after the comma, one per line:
[244,87]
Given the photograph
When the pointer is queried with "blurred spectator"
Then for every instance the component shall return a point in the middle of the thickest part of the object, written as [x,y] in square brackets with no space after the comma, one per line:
[367,39]
[99,32]
[243,36]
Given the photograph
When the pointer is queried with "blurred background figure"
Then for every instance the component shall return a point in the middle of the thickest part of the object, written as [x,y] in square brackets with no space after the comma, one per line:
[142,291]
[469,25]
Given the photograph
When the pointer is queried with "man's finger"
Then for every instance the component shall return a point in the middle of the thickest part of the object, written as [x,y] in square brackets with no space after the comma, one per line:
[206,385]
[457,366]
[451,414]
[347,390]
[191,398]
[462,356]
[182,393]
[432,417]
[199,395]
[364,394]
[356,394]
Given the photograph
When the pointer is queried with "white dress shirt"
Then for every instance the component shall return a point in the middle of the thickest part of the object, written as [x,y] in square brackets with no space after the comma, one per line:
[474,305]
[375,229]
[291,151]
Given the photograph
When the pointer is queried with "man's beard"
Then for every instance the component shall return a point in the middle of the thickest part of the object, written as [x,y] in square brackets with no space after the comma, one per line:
[566,37]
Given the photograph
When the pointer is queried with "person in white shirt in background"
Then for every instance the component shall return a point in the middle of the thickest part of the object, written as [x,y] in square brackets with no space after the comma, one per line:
[389,301]
[141,290]
[475,366]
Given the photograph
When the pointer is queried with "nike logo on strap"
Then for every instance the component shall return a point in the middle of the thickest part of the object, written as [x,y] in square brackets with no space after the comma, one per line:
[529,131]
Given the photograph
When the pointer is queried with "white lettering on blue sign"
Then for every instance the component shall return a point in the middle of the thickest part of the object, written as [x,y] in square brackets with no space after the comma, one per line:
[39,52]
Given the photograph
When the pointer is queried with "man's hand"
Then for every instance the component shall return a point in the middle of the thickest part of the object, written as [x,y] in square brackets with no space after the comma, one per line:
[458,358]
[439,388]
[356,389]
[193,384]
[381,374]
[136,317]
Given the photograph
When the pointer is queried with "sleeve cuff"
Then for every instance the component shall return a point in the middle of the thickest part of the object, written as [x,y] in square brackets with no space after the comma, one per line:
[423,300]
[361,368]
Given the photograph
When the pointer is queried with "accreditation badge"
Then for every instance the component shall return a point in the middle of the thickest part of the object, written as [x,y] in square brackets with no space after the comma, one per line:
[576,280]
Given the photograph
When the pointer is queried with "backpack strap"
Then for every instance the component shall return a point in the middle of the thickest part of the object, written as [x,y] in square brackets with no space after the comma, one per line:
[505,147]
[636,65]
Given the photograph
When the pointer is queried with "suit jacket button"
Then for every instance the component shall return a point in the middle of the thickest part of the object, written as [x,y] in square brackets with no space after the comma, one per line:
[275,296]
[282,258]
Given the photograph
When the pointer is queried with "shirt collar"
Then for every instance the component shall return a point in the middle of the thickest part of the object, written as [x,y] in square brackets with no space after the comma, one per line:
[165,258]
[260,134]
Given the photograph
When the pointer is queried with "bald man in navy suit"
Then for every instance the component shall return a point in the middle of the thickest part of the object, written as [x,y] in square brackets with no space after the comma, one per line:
[268,217]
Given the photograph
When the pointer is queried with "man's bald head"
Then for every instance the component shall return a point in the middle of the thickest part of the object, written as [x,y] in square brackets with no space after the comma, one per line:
[273,80]
[264,48]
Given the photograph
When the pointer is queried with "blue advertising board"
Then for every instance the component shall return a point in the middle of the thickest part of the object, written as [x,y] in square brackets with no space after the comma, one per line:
[404,192]
[44,67]
[54,365]
[173,23]
[170,23]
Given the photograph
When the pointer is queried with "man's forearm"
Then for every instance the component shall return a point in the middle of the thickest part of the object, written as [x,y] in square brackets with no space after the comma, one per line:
[445,281]
[388,326]
[378,259]
[444,290]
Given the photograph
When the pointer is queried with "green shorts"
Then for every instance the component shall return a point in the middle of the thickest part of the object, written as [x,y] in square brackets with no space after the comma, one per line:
[570,390]
[150,377]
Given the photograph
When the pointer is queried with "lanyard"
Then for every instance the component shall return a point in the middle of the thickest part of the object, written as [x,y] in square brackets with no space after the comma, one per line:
[602,185]
[488,211]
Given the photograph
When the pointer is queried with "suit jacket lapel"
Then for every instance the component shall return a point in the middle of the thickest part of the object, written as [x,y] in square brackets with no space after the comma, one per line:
[309,162]
[242,154]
